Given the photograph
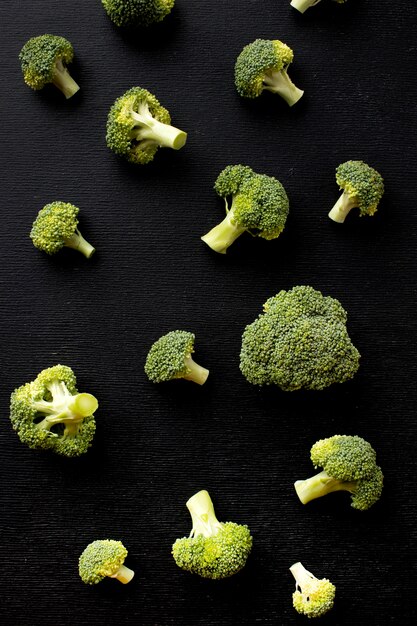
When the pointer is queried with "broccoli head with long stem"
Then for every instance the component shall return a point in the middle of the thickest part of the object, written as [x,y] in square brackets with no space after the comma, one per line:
[104,558]
[259,205]
[44,60]
[349,464]
[312,597]
[138,125]
[137,12]
[214,549]
[362,188]
[49,413]
[170,358]
[262,66]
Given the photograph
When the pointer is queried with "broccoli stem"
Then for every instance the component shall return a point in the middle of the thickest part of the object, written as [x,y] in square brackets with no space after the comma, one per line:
[281,83]
[320,485]
[77,242]
[83,404]
[224,234]
[342,207]
[124,574]
[150,129]
[195,372]
[204,519]
[62,79]
[303,5]
[301,575]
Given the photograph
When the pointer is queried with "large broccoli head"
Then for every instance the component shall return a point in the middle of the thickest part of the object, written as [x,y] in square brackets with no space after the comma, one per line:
[312,597]
[303,5]
[300,341]
[262,66]
[137,12]
[48,413]
[362,186]
[43,61]
[104,557]
[170,358]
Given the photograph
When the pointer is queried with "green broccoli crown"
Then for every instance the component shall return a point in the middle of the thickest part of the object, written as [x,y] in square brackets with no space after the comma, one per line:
[101,558]
[257,59]
[55,223]
[137,12]
[39,56]
[167,357]
[300,341]
[48,413]
[214,550]
[361,183]
[312,597]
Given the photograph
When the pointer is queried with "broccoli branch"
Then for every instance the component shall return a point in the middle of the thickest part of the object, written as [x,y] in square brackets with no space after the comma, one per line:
[65,408]
[281,83]
[224,234]
[77,242]
[204,519]
[124,574]
[196,373]
[342,207]
[303,5]
[62,79]
[151,131]
[320,485]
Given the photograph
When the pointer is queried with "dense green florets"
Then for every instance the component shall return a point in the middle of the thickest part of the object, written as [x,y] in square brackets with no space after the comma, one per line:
[256,59]
[300,341]
[100,559]
[38,58]
[362,183]
[55,223]
[167,356]
[137,12]
[315,597]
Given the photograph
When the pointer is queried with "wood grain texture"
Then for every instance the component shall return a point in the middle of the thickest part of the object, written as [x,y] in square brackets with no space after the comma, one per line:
[157,445]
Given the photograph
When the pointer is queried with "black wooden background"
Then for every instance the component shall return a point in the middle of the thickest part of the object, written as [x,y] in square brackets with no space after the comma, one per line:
[156,445]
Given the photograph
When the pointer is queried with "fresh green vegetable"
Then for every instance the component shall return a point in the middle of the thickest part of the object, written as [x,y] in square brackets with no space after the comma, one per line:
[56,227]
[312,597]
[259,205]
[49,413]
[170,358]
[303,5]
[362,186]
[262,66]
[138,125]
[44,61]
[300,341]
[137,12]
[349,464]
[213,549]
[104,557]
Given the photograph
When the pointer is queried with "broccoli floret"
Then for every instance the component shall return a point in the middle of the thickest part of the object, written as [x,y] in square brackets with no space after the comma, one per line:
[56,228]
[213,549]
[170,358]
[262,66]
[363,188]
[312,596]
[300,341]
[137,12]
[259,206]
[303,5]
[49,413]
[104,557]
[349,464]
[44,61]
[138,125]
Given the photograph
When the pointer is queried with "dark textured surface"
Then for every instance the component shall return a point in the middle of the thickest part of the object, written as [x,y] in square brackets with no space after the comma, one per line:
[157,445]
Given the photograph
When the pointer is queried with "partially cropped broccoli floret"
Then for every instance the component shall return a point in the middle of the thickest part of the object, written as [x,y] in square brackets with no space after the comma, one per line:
[170,358]
[104,557]
[259,205]
[312,596]
[138,125]
[303,5]
[50,414]
[300,341]
[137,12]
[56,228]
[262,66]
[349,464]
[363,188]
[44,61]
[213,549]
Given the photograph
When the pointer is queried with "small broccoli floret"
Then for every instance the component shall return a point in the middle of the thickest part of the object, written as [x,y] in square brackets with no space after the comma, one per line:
[213,549]
[50,414]
[137,12]
[349,464]
[262,66]
[104,557]
[300,341]
[138,125]
[170,358]
[303,5]
[312,596]
[259,205]
[44,61]
[56,228]
[363,188]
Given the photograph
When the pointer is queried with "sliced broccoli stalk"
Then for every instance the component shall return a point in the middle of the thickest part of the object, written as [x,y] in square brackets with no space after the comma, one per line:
[196,373]
[77,242]
[124,574]
[320,485]
[62,79]
[342,207]
[151,131]
[281,83]
[221,237]
[303,5]
[203,517]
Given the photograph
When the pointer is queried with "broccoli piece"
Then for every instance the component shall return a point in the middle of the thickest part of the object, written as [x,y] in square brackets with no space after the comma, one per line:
[213,550]
[303,5]
[300,341]
[363,188]
[138,125]
[349,464]
[56,227]
[44,61]
[262,66]
[104,557]
[312,596]
[259,206]
[137,12]
[170,358]
[49,413]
